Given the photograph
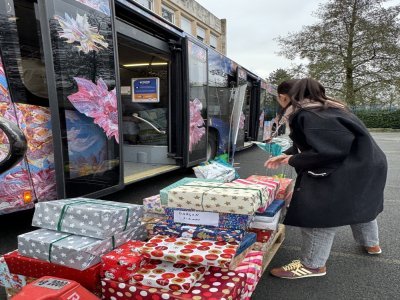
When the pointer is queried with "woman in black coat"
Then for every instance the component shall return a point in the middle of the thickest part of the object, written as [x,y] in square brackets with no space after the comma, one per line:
[341,175]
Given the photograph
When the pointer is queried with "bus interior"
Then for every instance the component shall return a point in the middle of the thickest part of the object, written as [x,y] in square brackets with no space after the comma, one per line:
[145,122]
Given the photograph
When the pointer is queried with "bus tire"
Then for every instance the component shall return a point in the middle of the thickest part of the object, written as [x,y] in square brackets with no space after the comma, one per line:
[212,145]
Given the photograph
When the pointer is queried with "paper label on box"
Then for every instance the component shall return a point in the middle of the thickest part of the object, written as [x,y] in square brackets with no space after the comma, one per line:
[196,217]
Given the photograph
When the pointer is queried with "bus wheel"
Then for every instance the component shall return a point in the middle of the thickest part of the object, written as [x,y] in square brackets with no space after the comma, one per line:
[212,145]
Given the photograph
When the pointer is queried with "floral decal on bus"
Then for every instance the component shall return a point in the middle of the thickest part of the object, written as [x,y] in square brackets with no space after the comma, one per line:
[197,126]
[96,101]
[4,95]
[79,32]
[99,5]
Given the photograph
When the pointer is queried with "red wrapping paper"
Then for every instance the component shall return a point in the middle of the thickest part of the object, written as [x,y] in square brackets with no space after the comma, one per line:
[36,268]
[166,275]
[263,235]
[189,251]
[285,184]
[124,261]
[252,267]
[216,284]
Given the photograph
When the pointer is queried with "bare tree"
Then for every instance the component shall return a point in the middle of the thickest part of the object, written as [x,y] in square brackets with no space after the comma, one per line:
[353,49]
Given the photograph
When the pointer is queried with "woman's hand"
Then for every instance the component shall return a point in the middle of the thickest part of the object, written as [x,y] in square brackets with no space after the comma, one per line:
[275,162]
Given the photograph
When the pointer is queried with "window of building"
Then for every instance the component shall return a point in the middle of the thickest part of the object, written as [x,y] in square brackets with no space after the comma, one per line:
[213,41]
[186,25]
[146,3]
[168,14]
[201,33]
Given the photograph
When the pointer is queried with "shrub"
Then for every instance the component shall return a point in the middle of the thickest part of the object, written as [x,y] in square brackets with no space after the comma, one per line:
[380,118]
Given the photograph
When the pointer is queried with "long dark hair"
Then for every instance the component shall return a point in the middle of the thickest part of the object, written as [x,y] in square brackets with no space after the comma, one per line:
[308,92]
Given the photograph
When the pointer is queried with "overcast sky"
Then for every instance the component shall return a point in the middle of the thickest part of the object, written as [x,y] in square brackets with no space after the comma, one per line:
[253,24]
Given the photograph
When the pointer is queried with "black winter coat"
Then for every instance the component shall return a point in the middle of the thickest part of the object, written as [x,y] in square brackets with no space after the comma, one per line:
[341,170]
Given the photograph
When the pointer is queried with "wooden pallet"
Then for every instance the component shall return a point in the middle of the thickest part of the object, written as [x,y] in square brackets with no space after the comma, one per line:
[275,245]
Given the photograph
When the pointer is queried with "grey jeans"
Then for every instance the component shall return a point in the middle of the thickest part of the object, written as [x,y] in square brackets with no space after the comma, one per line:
[317,242]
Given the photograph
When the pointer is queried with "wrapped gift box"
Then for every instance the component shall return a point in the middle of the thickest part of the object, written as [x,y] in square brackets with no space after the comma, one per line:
[121,263]
[272,209]
[183,181]
[188,251]
[74,251]
[35,268]
[286,185]
[89,217]
[263,236]
[216,284]
[248,240]
[167,275]
[267,223]
[199,231]
[9,280]
[218,197]
[221,220]
[252,267]
[153,205]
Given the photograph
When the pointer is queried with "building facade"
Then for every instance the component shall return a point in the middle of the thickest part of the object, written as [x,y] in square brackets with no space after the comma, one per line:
[192,18]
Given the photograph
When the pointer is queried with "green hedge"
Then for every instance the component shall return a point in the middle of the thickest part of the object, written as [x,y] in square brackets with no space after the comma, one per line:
[380,118]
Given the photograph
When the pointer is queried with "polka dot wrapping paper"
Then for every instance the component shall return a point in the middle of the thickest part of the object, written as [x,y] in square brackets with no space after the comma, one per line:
[121,263]
[217,284]
[188,251]
[170,276]
[36,268]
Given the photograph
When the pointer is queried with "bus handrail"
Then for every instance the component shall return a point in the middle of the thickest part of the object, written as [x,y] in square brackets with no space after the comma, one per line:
[135,115]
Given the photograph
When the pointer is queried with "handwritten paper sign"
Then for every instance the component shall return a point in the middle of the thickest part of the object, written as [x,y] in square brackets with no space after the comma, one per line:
[196,217]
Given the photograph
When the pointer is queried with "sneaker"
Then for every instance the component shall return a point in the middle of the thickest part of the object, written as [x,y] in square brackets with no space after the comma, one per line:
[374,250]
[296,270]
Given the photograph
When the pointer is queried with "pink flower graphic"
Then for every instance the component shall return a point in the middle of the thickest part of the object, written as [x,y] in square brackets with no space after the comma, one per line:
[97,102]
[80,31]
[197,127]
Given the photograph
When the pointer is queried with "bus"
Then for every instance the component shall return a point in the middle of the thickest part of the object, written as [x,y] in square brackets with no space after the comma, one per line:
[107,93]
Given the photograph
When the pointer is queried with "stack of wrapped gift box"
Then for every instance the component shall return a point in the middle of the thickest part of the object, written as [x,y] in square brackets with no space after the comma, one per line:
[202,249]
[74,234]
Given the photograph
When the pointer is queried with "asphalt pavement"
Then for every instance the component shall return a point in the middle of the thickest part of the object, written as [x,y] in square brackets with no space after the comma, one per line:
[351,274]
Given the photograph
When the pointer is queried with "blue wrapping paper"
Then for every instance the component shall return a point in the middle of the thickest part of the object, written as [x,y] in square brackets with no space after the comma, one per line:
[248,240]
[272,209]
[199,231]
[232,221]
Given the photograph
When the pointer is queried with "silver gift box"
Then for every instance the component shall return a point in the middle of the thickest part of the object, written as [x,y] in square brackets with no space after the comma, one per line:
[74,251]
[88,217]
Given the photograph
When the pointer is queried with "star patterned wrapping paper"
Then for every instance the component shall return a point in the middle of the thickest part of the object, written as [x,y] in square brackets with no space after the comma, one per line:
[189,251]
[35,268]
[219,197]
[183,181]
[286,185]
[270,186]
[74,251]
[153,205]
[199,231]
[233,221]
[122,263]
[167,275]
[217,283]
[88,217]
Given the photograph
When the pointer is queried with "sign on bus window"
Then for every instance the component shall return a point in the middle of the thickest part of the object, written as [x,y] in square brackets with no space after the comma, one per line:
[146,90]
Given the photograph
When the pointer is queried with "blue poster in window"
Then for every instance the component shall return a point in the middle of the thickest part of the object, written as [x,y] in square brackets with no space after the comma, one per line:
[146,90]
